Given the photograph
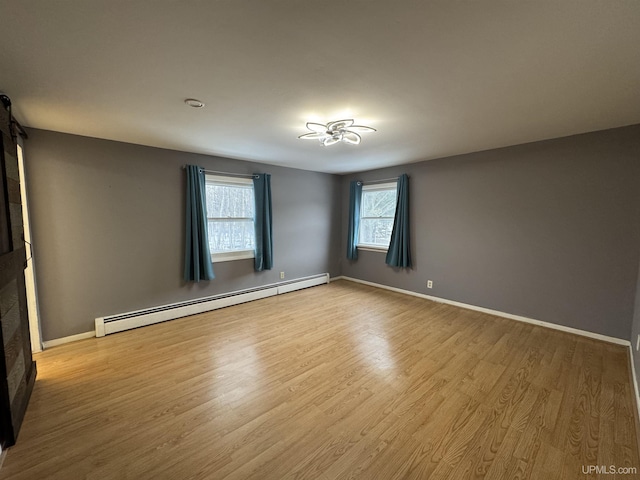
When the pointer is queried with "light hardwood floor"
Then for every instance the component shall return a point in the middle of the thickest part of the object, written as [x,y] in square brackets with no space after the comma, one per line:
[336,381]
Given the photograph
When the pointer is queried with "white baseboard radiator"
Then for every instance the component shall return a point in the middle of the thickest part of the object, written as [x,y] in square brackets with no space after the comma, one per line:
[149,316]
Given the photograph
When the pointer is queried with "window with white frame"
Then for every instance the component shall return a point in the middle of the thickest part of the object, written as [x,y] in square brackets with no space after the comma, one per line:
[230,217]
[377,210]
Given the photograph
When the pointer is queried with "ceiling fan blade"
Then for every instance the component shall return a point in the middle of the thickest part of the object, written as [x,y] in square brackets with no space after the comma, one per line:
[361,129]
[338,124]
[351,137]
[313,136]
[316,127]
[331,141]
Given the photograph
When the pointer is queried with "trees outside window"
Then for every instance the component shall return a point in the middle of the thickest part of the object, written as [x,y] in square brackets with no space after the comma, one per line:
[230,217]
[377,211]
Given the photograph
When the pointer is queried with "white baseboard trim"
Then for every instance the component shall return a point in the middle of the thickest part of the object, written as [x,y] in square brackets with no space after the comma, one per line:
[635,379]
[72,338]
[497,313]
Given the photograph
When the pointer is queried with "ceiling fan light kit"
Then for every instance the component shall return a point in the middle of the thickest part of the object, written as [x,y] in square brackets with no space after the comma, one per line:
[335,132]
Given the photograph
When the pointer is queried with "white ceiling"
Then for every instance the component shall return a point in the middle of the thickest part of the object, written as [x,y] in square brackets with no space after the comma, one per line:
[435,78]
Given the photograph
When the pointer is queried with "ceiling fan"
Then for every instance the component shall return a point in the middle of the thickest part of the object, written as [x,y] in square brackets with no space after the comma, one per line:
[334,132]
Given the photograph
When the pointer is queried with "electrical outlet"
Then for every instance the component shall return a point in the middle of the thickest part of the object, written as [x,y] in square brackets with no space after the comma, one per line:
[638,343]
[281,275]
[429,284]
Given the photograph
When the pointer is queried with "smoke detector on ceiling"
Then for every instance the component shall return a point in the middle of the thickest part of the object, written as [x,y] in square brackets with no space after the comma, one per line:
[192,102]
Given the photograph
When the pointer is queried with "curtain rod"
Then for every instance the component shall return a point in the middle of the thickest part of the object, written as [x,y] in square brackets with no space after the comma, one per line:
[227,174]
[382,180]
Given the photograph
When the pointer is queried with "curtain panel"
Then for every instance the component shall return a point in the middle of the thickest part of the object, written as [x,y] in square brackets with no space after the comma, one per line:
[197,258]
[355,197]
[263,222]
[399,253]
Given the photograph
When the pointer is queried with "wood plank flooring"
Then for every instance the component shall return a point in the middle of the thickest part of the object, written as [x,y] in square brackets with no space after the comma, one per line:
[341,381]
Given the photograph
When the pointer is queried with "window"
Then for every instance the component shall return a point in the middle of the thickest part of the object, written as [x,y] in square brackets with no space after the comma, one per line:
[230,207]
[377,209]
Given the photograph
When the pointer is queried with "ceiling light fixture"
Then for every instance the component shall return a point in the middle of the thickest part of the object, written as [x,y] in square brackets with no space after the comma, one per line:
[192,102]
[334,132]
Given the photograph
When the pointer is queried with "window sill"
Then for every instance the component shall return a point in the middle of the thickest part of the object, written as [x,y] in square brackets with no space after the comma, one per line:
[372,248]
[229,256]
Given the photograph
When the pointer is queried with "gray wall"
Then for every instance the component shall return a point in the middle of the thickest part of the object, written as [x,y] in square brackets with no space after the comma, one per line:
[108,222]
[547,230]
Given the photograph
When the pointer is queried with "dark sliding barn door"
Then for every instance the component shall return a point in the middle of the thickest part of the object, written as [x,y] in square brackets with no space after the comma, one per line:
[17,368]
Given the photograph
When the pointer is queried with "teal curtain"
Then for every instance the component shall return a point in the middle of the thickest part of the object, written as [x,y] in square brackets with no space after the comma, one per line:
[264,238]
[197,259]
[399,253]
[355,196]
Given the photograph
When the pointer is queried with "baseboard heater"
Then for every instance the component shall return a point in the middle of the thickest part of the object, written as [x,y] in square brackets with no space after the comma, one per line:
[149,316]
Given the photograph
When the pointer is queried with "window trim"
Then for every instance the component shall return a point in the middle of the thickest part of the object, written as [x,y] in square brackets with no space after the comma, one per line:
[234,254]
[372,247]
[367,247]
